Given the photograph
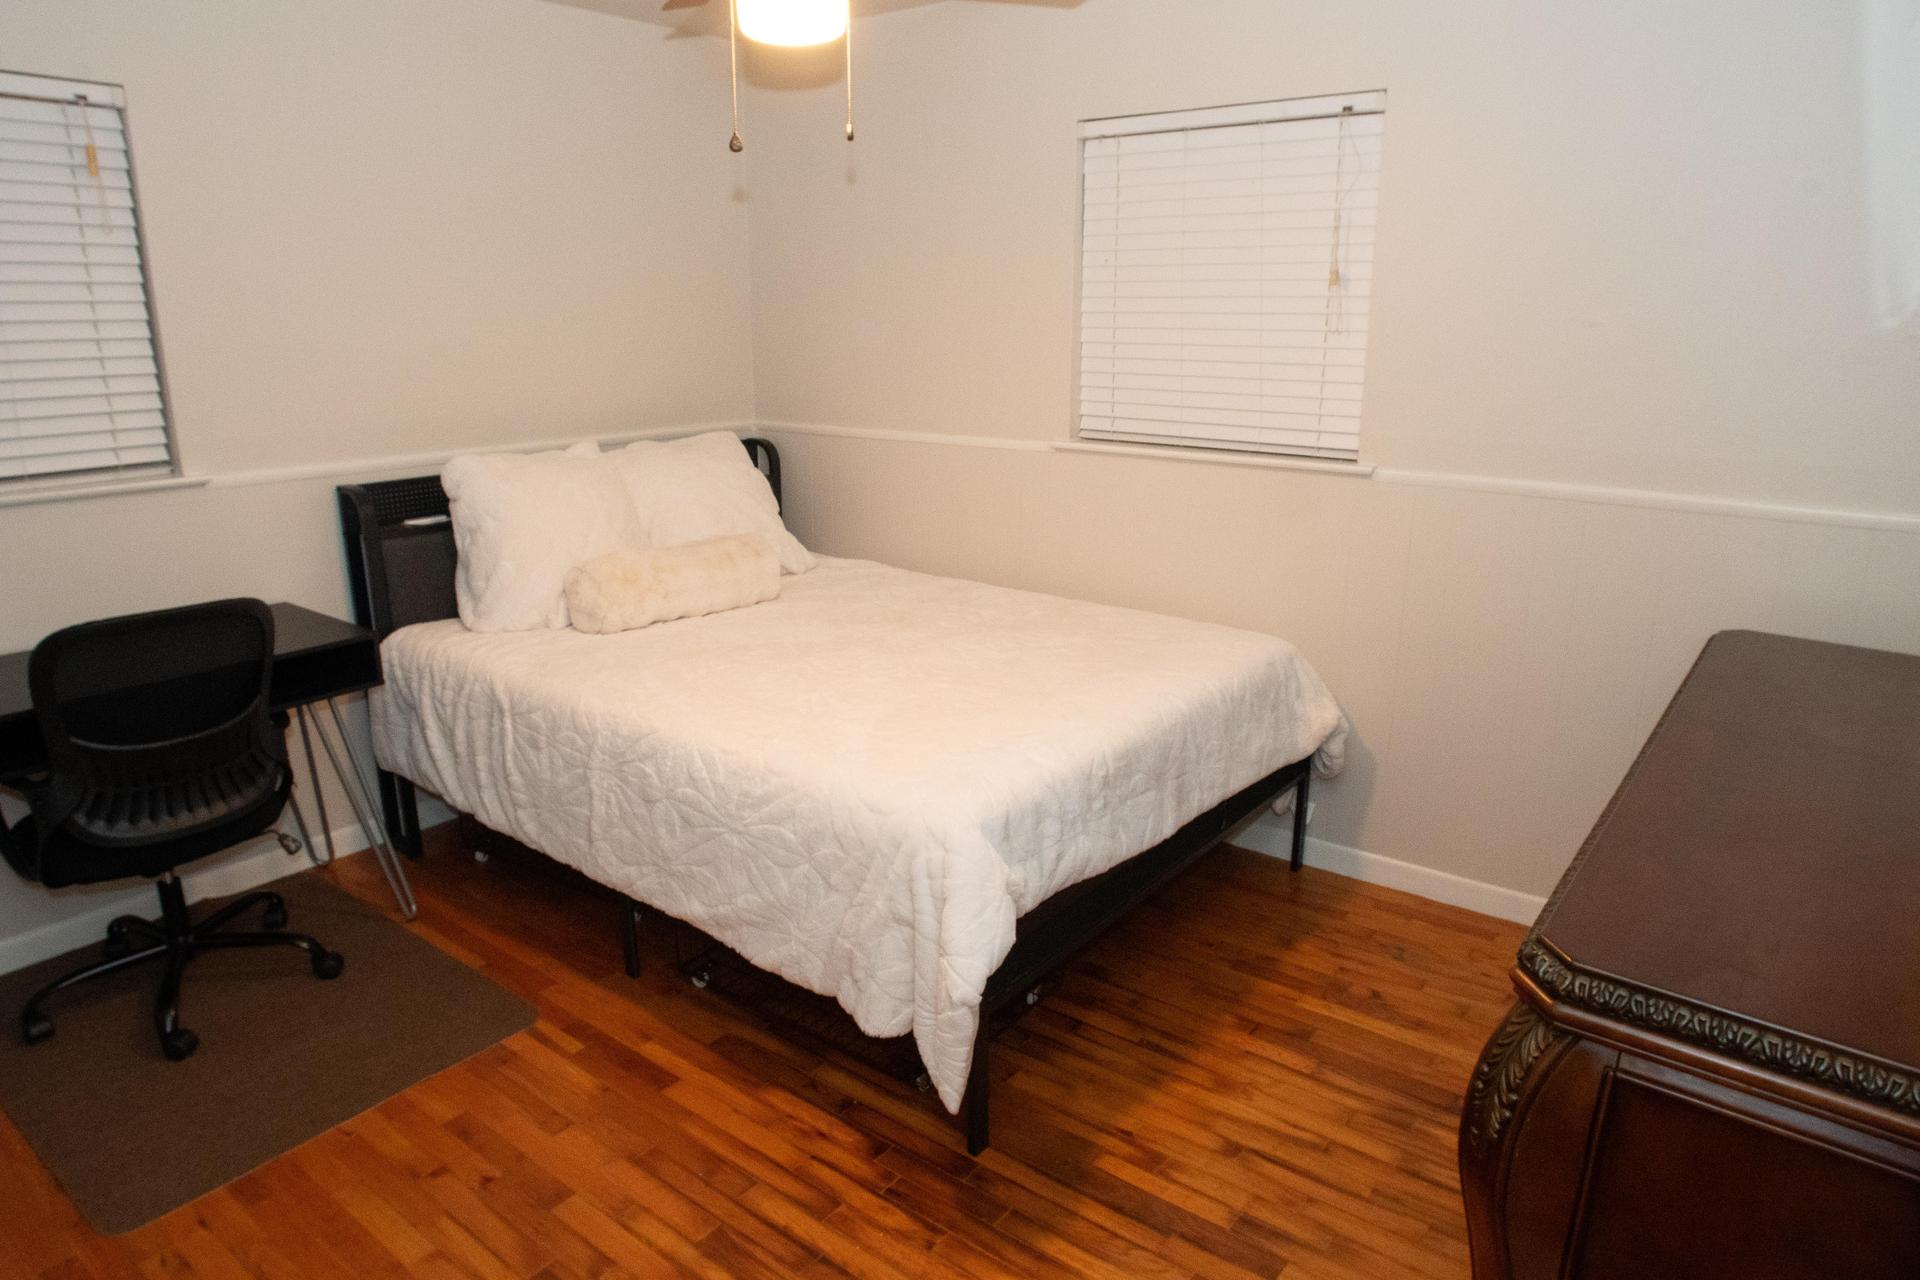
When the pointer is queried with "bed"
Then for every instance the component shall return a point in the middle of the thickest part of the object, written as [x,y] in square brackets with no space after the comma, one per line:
[913,794]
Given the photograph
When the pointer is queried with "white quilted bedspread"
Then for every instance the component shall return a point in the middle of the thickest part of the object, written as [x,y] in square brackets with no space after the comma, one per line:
[861,784]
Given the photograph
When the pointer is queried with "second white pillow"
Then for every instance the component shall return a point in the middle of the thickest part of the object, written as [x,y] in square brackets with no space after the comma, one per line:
[626,589]
[701,487]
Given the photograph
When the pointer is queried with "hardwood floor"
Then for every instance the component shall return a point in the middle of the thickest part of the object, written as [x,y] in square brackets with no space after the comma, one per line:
[1258,1074]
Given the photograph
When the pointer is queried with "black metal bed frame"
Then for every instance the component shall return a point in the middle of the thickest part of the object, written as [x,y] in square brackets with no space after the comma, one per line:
[400,566]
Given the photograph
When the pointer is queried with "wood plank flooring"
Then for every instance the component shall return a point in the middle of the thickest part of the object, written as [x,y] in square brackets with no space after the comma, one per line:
[1258,1074]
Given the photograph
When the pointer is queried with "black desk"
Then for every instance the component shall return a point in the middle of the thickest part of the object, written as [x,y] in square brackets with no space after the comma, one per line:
[316,659]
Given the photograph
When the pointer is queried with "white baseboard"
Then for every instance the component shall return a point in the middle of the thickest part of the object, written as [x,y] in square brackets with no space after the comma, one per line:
[1273,835]
[255,863]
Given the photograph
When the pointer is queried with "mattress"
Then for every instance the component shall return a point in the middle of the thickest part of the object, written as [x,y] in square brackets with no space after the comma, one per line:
[861,784]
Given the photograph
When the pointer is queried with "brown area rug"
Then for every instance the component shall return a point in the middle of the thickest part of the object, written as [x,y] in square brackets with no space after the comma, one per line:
[283,1056]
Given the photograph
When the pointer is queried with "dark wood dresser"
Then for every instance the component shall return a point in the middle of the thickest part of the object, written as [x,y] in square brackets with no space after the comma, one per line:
[1713,1066]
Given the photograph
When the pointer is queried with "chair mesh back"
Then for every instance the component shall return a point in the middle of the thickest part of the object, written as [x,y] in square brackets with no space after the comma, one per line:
[157,724]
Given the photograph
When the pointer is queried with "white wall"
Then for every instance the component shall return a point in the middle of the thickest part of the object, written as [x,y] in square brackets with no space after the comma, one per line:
[379,229]
[1620,247]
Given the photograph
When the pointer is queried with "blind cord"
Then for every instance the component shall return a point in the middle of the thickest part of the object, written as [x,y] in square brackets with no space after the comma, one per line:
[86,123]
[1336,292]
[93,163]
[1336,309]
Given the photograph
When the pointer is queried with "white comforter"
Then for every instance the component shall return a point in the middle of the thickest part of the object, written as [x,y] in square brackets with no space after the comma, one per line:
[861,784]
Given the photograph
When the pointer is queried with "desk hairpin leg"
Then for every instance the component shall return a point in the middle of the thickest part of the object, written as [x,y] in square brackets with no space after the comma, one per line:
[283,719]
[306,833]
[361,796]
[319,796]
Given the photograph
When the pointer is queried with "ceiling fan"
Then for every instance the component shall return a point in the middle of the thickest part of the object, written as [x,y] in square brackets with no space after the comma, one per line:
[783,23]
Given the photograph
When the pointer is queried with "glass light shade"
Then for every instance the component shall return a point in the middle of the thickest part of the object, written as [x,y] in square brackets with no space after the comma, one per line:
[792,22]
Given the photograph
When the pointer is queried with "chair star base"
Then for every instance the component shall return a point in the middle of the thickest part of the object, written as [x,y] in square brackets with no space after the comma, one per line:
[175,939]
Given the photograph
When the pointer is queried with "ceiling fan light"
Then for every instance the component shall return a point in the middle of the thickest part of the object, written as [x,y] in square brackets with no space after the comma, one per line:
[792,22]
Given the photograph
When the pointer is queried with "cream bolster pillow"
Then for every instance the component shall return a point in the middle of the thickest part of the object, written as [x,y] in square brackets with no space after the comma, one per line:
[637,588]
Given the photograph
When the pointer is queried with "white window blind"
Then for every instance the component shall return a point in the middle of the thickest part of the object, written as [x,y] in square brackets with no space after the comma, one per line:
[1226,268]
[80,384]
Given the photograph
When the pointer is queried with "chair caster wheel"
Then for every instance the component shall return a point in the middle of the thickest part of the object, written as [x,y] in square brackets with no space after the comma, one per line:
[328,964]
[274,919]
[36,1030]
[179,1044]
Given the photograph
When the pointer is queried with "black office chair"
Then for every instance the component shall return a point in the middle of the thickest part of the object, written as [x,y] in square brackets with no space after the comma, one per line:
[161,750]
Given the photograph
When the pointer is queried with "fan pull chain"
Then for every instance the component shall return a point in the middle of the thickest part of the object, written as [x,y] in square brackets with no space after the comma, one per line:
[734,143]
[849,70]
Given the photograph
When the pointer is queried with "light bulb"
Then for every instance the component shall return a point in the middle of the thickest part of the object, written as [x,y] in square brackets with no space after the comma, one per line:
[792,22]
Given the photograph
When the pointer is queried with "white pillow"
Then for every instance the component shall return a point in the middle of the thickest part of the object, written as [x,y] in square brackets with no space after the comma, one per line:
[704,487]
[521,521]
[626,589]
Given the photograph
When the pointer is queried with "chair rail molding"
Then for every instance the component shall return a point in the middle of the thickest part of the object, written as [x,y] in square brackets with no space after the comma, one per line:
[1512,486]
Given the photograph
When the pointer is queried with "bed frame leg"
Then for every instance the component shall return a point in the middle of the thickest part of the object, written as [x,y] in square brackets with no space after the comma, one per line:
[1300,818]
[630,935]
[973,1106]
[400,807]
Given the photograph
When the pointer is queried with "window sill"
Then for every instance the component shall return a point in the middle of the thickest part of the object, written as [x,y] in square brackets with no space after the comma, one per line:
[1218,457]
[30,495]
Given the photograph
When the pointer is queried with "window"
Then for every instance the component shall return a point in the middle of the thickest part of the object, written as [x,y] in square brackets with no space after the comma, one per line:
[81,394]
[1226,265]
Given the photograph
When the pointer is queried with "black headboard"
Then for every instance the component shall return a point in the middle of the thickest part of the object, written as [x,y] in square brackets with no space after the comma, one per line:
[400,555]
